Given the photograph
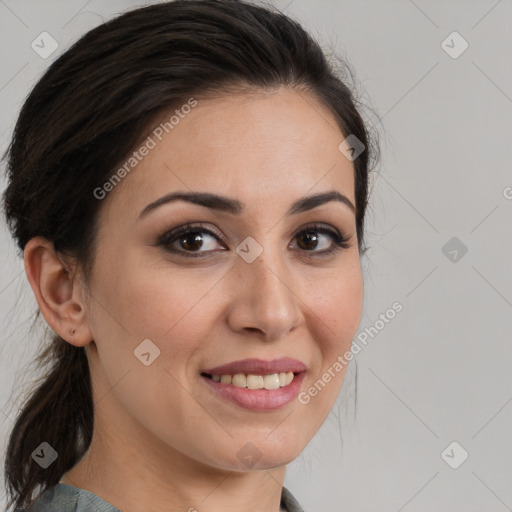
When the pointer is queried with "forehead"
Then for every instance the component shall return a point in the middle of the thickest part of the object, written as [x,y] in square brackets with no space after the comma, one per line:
[266,147]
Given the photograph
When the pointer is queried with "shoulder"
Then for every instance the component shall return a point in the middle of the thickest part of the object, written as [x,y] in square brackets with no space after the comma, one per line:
[288,501]
[66,498]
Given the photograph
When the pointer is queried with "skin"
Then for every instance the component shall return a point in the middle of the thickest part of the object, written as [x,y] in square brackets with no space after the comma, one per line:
[162,439]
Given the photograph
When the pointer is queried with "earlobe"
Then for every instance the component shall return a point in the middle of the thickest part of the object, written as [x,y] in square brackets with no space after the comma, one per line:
[55,291]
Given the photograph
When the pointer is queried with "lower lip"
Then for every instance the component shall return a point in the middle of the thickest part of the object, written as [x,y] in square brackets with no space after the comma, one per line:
[258,399]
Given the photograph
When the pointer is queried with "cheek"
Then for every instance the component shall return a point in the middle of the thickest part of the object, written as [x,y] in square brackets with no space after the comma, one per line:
[336,302]
[174,309]
[335,314]
[142,304]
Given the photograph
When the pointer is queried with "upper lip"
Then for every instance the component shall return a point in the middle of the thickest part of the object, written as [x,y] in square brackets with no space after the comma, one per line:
[259,367]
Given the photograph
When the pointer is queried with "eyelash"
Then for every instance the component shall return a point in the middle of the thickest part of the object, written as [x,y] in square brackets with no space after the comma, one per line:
[339,241]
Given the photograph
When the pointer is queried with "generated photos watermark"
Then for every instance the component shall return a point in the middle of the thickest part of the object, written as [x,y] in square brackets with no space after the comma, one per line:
[342,361]
[150,143]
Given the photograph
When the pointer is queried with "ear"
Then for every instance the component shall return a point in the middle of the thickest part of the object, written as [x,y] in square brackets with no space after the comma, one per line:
[58,296]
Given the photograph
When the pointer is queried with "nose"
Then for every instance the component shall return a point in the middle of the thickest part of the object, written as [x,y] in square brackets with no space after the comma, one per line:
[264,299]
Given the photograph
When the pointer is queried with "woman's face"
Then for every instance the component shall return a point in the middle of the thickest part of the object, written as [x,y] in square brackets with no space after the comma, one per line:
[244,284]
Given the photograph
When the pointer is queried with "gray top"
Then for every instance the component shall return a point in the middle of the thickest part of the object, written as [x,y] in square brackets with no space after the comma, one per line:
[66,498]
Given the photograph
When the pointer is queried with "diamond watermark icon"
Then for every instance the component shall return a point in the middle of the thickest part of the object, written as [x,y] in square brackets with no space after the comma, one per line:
[454,45]
[249,454]
[146,352]
[249,249]
[454,455]
[454,249]
[351,147]
[44,455]
[44,45]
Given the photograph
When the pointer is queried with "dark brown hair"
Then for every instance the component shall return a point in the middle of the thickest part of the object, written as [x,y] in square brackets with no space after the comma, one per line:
[87,114]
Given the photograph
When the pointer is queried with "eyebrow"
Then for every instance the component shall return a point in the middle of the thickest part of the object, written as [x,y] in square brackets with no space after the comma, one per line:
[234,206]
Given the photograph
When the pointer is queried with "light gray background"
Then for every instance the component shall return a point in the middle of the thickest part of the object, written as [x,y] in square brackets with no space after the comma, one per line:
[441,370]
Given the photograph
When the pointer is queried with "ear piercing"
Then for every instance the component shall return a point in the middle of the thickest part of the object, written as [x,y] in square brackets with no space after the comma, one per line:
[72,331]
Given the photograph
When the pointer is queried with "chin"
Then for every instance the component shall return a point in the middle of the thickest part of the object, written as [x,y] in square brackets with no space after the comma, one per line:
[251,456]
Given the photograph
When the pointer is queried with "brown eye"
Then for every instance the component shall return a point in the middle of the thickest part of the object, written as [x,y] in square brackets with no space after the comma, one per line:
[191,241]
[187,240]
[311,238]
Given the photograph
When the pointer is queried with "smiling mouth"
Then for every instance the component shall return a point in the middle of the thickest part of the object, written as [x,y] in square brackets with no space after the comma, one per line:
[254,381]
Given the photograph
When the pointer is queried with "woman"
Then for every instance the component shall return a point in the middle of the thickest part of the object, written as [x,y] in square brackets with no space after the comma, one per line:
[188,185]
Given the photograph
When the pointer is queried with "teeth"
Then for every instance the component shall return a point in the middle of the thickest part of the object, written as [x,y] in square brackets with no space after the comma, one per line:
[225,379]
[240,380]
[255,382]
[271,381]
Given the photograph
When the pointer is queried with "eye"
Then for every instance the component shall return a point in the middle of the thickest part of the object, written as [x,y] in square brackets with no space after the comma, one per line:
[315,236]
[189,239]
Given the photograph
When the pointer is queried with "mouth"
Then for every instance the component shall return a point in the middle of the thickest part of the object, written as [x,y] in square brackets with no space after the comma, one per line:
[256,384]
